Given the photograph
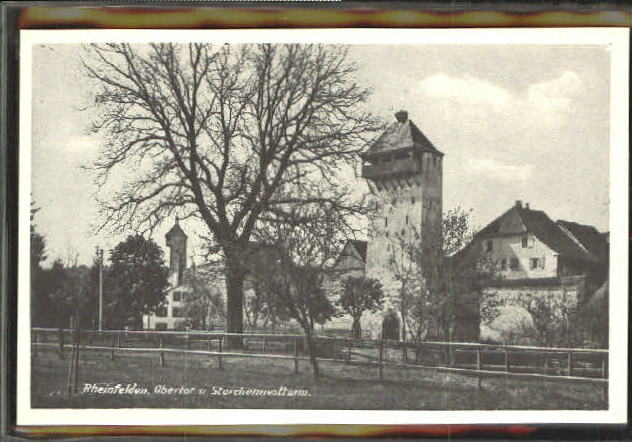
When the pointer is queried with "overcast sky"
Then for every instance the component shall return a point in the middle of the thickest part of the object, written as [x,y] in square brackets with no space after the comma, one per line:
[526,123]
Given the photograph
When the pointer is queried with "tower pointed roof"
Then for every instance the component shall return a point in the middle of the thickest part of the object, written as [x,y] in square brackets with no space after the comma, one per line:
[401,135]
[176,230]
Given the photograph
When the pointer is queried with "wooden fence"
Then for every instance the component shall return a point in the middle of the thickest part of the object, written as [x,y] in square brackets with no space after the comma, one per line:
[577,365]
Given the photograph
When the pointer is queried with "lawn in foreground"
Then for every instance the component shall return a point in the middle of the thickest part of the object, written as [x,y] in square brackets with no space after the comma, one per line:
[341,386]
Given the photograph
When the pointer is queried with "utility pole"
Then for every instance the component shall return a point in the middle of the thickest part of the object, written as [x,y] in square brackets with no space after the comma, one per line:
[100,267]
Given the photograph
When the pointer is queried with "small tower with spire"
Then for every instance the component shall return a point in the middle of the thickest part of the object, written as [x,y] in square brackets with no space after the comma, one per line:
[177,243]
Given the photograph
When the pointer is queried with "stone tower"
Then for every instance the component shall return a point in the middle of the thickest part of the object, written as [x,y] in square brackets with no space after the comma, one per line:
[404,173]
[177,243]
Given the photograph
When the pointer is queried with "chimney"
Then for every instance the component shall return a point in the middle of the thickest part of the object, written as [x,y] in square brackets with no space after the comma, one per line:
[401,116]
[519,204]
[526,205]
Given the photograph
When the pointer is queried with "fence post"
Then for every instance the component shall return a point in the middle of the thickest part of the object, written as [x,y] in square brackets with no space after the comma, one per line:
[162,353]
[570,363]
[264,344]
[61,343]
[296,355]
[506,360]
[418,354]
[78,344]
[71,367]
[478,367]
[349,345]
[219,356]
[546,364]
[381,359]
[73,372]
[405,351]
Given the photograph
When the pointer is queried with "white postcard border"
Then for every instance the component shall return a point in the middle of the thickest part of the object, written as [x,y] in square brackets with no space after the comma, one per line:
[616,38]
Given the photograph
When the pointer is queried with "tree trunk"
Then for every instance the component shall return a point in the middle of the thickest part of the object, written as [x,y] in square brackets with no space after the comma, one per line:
[403,313]
[234,299]
[356,329]
[312,354]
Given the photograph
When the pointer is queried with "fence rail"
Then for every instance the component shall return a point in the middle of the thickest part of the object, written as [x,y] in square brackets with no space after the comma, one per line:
[576,365]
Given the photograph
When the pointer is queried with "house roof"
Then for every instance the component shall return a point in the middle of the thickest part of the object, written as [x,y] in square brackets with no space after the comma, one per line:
[402,134]
[593,241]
[557,236]
[360,247]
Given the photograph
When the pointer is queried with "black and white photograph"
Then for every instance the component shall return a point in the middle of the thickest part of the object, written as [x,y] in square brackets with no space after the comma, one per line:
[325,226]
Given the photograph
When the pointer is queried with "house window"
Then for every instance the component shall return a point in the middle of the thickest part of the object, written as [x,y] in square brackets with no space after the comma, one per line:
[503,264]
[537,263]
[161,326]
[489,245]
[534,263]
[177,296]
[161,312]
[525,241]
[406,219]
[177,312]
[514,264]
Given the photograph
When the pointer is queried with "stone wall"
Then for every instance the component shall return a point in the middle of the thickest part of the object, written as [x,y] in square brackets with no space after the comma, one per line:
[550,308]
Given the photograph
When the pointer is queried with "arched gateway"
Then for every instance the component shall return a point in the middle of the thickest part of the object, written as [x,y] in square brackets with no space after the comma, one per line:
[390,326]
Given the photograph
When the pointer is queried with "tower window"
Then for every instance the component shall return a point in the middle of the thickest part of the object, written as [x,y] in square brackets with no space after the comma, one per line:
[525,241]
[489,246]
[385,221]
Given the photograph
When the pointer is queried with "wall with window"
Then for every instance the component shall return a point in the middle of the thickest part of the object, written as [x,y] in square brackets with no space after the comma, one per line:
[520,256]
[172,315]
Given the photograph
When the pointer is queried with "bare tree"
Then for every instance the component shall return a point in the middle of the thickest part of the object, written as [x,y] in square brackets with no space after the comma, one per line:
[204,304]
[259,306]
[215,133]
[307,240]
[440,274]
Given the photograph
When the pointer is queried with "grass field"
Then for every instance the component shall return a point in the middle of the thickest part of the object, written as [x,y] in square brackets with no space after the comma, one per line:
[341,386]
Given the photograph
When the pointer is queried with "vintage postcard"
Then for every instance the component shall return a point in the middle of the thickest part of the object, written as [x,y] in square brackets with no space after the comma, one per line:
[323,226]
